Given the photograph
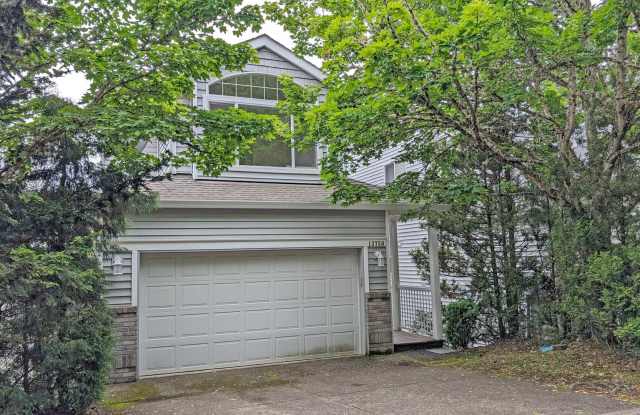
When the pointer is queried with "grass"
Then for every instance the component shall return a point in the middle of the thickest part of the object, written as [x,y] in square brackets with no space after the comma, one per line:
[581,367]
[123,396]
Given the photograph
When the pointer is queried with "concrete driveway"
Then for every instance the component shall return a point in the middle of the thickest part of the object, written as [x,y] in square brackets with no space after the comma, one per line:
[393,384]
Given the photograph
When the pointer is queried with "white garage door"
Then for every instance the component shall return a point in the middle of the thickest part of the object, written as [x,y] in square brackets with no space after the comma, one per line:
[204,310]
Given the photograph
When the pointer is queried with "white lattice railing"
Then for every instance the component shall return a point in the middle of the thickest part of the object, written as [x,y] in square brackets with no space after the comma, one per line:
[415,310]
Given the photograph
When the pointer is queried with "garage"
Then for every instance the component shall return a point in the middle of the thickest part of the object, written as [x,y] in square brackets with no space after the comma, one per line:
[215,310]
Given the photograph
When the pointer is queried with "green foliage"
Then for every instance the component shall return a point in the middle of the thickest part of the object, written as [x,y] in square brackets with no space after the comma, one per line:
[70,172]
[537,89]
[461,321]
[55,330]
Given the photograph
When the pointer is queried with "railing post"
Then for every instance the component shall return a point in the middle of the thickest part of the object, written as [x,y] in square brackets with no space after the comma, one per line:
[434,270]
[393,269]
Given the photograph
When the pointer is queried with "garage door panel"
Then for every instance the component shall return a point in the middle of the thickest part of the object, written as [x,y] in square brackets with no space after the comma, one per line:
[288,347]
[315,316]
[314,289]
[160,327]
[344,342]
[194,294]
[193,267]
[228,322]
[259,349]
[202,311]
[287,318]
[341,314]
[194,325]
[257,291]
[315,344]
[157,267]
[193,355]
[162,296]
[341,287]
[227,292]
[159,358]
[227,352]
[287,290]
[258,320]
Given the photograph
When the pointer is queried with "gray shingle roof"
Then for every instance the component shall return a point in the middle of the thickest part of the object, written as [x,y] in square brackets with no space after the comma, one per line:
[184,188]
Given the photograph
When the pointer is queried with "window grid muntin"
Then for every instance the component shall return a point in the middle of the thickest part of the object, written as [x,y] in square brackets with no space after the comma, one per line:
[248,85]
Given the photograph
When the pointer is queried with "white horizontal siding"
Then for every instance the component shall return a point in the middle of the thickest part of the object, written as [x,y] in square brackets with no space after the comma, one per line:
[174,225]
[118,278]
[410,237]
[373,173]
[244,225]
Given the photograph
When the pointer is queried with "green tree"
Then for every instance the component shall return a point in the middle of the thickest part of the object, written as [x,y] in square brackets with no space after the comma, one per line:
[545,89]
[498,240]
[69,173]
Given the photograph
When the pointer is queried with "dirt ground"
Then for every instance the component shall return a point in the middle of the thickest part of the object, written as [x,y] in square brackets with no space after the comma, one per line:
[402,383]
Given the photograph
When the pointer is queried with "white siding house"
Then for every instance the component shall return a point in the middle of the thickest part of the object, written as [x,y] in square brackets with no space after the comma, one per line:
[255,266]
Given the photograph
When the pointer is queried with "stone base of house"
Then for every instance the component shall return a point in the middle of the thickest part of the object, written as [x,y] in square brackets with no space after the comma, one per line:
[379,322]
[125,352]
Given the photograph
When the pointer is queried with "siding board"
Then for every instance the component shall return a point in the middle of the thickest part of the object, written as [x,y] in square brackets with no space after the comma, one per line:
[118,287]
[245,225]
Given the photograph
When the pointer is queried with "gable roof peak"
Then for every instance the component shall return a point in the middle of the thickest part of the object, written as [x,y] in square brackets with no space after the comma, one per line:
[265,41]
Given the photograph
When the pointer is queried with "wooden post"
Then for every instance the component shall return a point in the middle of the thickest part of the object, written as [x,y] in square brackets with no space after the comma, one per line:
[434,270]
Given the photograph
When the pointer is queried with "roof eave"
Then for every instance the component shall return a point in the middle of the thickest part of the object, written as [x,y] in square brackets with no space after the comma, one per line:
[232,204]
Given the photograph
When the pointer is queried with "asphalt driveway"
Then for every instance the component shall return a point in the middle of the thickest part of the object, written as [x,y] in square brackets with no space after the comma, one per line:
[394,384]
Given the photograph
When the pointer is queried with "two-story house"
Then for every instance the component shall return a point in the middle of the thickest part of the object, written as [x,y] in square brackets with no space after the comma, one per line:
[255,266]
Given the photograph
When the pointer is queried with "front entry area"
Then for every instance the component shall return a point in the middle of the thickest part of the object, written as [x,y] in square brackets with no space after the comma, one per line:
[202,311]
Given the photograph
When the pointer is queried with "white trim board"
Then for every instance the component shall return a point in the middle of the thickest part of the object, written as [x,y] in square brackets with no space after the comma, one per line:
[362,343]
[186,246]
[218,204]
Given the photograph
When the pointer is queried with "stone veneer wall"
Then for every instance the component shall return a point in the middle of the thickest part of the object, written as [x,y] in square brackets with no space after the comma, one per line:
[379,322]
[125,353]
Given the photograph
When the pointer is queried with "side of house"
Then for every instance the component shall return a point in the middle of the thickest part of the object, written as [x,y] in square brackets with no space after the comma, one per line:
[411,233]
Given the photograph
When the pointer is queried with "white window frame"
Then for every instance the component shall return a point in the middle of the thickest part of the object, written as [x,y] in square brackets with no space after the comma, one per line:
[267,103]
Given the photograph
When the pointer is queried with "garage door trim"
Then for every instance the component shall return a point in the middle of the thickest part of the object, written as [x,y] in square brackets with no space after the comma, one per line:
[360,315]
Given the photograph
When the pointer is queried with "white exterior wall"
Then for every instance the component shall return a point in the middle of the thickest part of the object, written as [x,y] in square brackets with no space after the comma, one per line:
[410,233]
[241,230]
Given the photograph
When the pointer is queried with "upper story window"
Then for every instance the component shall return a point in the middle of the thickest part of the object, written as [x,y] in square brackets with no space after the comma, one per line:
[389,172]
[256,86]
[258,93]
[393,170]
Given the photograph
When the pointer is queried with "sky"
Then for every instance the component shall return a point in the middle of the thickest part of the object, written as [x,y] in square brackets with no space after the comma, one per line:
[73,85]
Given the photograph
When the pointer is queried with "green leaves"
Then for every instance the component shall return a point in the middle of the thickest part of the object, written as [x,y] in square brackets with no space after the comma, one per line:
[70,173]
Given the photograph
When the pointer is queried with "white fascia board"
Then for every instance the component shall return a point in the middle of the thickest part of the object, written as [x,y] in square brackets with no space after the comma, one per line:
[225,246]
[276,47]
[230,204]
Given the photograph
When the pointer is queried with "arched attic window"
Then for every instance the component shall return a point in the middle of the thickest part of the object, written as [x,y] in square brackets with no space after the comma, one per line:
[256,86]
[258,93]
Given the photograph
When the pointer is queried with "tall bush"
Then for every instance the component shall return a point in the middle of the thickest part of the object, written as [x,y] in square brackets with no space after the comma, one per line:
[55,330]
[70,171]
